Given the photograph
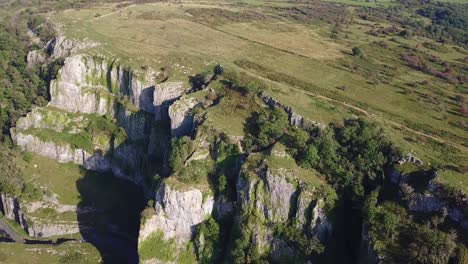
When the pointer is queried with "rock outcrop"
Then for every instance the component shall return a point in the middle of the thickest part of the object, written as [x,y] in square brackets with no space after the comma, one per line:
[62,153]
[435,198]
[35,57]
[177,213]
[182,119]
[90,85]
[61,47]
[295,119]
[47,229]
[164,95]
[11,209]
[269,195]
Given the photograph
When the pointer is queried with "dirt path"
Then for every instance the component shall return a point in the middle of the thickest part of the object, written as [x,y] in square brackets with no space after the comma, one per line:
[356,108]
[380,119]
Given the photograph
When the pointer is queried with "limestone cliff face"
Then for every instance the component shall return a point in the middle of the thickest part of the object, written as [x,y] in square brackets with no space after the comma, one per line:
[295,119]
[435,199]
[177,213]
[46,229]
[60,46]
[92,85]
[270,196]
[11,210]
[182,120]
[87,85]
[277,200]
[35,57]
[164,95]
[61,153]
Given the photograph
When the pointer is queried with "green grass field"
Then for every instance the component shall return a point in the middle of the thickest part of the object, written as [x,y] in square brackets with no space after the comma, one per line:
[68,252]
[193,36]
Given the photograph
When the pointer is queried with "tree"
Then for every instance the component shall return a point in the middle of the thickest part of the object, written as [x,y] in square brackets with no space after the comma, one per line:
[431,246]
[181,148]
[207,241]
[218,70]
[271,125]
[311,157]
[357,52]
[11,181]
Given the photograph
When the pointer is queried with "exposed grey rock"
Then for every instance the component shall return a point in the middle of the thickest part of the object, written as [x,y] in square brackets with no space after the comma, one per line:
[127,162]
[74,90]
[12,210]
[277,196]
[61,153]
[92,85]
[137,125]
[35,57]
[39,118]
[182,120]
[61,47]
[47,229]
[295,119]
[320,224]
[411,158]
[164,95]
[280,250]
[177,213]
[282,196]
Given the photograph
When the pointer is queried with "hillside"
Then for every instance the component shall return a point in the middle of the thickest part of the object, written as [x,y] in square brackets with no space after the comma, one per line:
[234,131]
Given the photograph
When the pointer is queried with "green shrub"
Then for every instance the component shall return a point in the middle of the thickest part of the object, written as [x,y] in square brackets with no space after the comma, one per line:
[27,156]
[81,140]
[31,192]
[207,241]
[11,181]
[181,148]
[357,52]
[268,126]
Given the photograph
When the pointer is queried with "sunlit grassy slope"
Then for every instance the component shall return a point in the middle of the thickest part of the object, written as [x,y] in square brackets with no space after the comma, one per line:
[192,37]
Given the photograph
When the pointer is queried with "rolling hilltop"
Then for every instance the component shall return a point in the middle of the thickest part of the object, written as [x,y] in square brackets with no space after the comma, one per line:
[234,131]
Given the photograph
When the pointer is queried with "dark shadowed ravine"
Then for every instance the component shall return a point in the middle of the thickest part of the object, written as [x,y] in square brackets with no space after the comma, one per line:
[114,230]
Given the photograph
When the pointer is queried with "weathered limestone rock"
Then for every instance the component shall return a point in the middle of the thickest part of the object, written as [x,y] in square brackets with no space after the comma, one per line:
[279,200]
[40,229]
[91,85]
[35,57]
[12,210]
[182,120]
[435,199]
[137,125]
[411,158]
[177,213]
[295,119]
[74,92]
[164,95]
[270,196]
[61,47]
[61,153]
[39,118]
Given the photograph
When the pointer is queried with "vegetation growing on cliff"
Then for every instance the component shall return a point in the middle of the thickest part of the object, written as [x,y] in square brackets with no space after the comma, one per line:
[11,181]
[406,93]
